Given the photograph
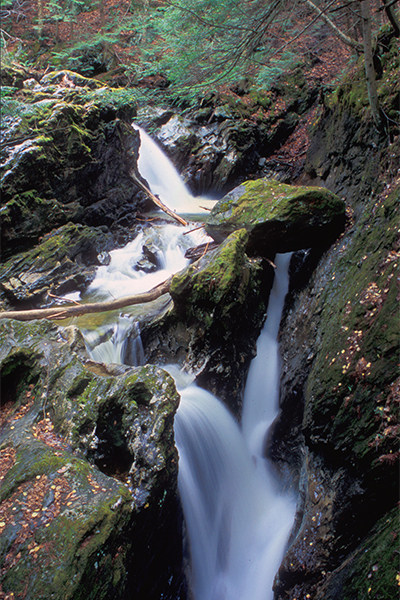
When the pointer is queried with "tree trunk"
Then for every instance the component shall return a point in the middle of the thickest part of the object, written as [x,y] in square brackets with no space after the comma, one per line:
[369,64]
[102,15]
[40,25]
[378,13]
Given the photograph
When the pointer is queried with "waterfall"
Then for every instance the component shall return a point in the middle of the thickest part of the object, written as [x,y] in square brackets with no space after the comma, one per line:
[124,274]
[118,341]
[237,521]
[165,181]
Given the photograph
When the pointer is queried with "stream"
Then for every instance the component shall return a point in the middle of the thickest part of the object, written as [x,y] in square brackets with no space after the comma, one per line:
[237,519]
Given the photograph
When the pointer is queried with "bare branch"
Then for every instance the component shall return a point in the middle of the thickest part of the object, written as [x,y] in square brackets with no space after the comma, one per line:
[157,201]
[84,309]
[345,38]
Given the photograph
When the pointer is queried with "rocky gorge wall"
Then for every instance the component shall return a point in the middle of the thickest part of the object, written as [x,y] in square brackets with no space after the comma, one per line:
[340,390]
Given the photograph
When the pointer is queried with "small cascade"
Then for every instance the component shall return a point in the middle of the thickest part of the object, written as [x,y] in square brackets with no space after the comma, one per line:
[131,272]
[124,275]
[119,343]
[261,395]
[237,521]
[165,181]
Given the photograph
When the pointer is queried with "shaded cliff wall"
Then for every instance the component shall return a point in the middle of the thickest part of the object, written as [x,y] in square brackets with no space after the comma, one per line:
[339,423]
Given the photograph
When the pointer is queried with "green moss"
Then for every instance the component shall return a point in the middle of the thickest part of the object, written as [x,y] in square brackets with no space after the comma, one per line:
[268,199]
[213,280]
[352,93]
[32,460]
[373,571]
[57,162]
[279,217]
[74,546]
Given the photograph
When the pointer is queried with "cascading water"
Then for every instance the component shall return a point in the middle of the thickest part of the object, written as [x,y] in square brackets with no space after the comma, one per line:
[119,341]
[261,396]
[165,181]
[237,522]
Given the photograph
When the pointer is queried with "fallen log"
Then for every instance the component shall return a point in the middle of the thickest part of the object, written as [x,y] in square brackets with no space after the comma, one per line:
[58,312]
[157,201]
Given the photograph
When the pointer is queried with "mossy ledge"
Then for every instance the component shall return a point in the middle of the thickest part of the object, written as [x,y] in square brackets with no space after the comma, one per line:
[67,155]
[88,501]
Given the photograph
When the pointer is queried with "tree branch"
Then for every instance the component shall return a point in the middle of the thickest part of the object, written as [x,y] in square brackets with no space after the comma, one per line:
[157,201]
[84,309]
[345,38]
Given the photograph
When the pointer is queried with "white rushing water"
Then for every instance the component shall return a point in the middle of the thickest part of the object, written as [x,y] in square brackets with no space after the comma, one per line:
[237,522]
[261,396]
[123,276]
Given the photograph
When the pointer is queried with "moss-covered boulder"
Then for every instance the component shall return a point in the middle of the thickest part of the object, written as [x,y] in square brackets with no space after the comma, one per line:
[219,305]
[88,469]
[64,261]
[278,217]
[67,154]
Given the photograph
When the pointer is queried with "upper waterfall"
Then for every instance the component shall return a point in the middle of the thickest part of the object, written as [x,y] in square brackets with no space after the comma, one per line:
[164,180]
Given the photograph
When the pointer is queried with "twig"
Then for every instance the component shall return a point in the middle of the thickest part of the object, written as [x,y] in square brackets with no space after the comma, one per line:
[62,299]
[195,229]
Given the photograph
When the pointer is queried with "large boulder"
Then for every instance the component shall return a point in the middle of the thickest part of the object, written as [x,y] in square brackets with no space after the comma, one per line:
[219,304]
[88,500]
[278,217]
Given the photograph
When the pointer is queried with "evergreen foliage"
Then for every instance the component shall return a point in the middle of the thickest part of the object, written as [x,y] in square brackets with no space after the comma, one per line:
[209,43]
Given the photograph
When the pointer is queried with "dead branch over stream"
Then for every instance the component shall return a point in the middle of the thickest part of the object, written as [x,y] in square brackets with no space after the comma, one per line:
[157,201]
[57,312]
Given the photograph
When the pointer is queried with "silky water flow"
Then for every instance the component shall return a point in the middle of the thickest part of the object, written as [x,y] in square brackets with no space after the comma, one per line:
[237,520]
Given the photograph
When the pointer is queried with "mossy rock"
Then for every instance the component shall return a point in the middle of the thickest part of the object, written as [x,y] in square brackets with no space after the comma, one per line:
[221,274]
[371,571]
[68,144]
[224,287]
[61,527]
[278,217]
[64,261]
[352,392]
[88,501]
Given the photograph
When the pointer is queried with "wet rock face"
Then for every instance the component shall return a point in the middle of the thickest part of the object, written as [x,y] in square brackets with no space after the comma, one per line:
[88,501]
[68,157]
[278,217]
[231,136]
